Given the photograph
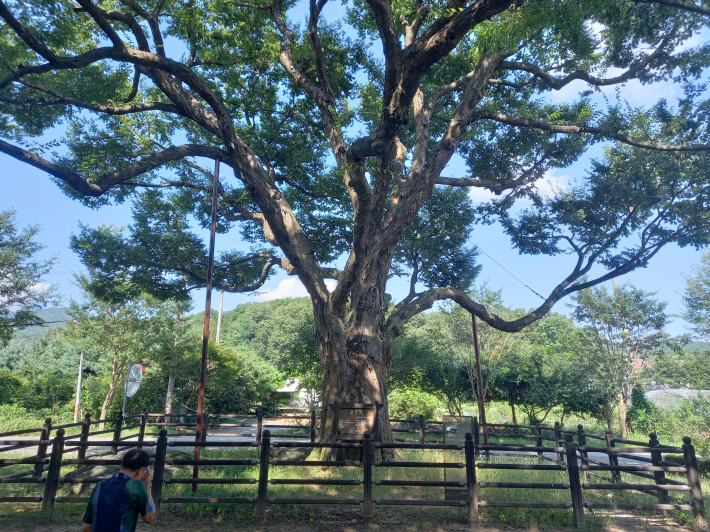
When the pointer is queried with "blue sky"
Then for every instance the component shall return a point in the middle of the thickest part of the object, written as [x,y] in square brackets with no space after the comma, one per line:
[38,200]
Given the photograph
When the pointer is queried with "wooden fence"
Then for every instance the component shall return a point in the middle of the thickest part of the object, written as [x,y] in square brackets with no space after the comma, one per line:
[567,455]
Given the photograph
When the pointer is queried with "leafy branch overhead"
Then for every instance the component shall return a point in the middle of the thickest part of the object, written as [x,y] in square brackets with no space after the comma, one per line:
[339,141]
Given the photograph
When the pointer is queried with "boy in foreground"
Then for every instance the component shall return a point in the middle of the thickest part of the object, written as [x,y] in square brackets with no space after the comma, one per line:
[115,503]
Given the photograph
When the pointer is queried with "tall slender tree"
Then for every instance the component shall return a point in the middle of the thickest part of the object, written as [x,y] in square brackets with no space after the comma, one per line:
[626,332]
[339,134]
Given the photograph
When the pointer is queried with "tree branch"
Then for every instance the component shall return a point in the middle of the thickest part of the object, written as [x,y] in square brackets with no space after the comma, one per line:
[626,139]
[95,188]
[60,99]
[558,83]
[680,4]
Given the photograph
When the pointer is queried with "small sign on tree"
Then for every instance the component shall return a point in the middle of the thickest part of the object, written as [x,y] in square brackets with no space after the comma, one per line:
[352,420]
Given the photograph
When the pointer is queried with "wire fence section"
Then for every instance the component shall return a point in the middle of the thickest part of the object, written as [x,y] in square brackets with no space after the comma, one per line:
[252,453]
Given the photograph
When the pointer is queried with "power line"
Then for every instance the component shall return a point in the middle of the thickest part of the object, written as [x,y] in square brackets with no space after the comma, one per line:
[510,273]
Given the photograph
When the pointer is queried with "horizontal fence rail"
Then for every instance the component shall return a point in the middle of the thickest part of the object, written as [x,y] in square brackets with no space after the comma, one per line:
[52,449]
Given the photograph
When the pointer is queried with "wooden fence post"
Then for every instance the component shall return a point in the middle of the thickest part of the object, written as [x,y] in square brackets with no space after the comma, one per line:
[85,430]
[538,433]
[476,434]
[367,477]
[259,423]
[575,487]
[613,458]
[471,485]
[422,428]
[658,476]
[582,440]
[263,476]
[55,466]
[558,441]
[691,465]
[141,429]
[117,431]
[313,426]
[161,452]
[42,447]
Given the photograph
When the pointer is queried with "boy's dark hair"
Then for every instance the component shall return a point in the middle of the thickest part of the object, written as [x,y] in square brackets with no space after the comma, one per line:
[134,459]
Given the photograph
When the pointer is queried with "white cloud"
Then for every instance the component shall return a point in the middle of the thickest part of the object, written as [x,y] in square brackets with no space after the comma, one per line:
[41,287]
[290,287]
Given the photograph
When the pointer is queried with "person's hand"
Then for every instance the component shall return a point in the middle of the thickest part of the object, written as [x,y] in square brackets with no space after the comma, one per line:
[146,477]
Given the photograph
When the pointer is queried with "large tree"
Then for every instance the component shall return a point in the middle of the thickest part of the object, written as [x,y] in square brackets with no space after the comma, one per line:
[338,134]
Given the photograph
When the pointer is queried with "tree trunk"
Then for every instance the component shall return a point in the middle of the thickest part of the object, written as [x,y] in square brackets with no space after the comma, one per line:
[107,402]
[512,409]
[621,404]
[355,354]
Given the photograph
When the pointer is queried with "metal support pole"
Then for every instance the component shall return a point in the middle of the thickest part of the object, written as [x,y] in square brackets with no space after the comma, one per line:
[77,401]
[206,326]
[125,387]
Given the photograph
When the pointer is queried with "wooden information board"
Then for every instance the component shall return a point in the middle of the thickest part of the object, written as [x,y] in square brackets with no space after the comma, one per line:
[352,420]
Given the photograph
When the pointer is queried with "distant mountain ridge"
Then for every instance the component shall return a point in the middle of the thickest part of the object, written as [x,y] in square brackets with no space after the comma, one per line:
[52,317]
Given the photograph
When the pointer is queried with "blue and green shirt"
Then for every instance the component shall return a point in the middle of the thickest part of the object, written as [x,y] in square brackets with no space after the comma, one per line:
[115,503]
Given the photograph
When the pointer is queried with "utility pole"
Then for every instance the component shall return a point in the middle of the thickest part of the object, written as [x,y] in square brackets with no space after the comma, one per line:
[206,327]
[77,402]
[479,380]
[219,318]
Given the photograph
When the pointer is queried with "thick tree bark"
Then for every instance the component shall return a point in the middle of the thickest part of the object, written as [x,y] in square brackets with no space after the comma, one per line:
[512,408]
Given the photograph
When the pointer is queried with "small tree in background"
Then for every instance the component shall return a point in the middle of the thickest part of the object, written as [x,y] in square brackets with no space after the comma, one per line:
[626,335]
[498,348]
[21,288]
[137,329]
[696,298]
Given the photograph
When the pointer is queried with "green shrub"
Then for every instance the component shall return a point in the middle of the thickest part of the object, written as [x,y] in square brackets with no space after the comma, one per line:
[410,403]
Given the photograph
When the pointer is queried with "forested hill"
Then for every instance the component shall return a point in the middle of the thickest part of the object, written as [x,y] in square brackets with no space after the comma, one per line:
[52,317]
[268,329]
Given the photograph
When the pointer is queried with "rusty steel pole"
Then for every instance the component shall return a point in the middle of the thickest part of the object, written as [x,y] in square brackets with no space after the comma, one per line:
[206,328]
[479,380]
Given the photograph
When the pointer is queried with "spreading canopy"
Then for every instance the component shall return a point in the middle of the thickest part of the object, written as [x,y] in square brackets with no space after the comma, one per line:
[339,133]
